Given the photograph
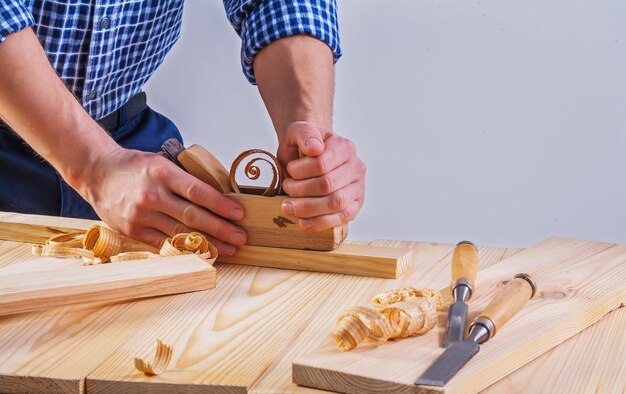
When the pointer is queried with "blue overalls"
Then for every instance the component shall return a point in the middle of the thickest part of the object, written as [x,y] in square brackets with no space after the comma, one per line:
[28,184]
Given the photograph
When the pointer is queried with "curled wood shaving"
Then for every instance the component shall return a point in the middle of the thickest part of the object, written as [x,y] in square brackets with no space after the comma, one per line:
[69,240]
[61,251]
[103,242]
[162,359]
[396,314]
[253,172]
[102,245]
[189,243]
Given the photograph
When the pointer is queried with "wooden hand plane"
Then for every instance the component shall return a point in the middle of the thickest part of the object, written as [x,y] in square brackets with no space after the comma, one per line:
[264,221]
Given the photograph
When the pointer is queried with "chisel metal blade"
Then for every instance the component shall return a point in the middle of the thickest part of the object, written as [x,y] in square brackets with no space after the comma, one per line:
[449,363]
[457,319]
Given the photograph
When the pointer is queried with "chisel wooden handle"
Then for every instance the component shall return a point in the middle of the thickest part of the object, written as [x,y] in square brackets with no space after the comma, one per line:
[464,264]
[507,302]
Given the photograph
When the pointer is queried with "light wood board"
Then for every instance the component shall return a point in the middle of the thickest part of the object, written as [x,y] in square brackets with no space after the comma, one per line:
[74,283]
[57,350]
[349,258]
[382,262]
[578,282]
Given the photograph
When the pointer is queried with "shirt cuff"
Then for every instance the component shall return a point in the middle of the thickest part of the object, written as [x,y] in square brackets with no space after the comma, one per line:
[14,16]
[274,19]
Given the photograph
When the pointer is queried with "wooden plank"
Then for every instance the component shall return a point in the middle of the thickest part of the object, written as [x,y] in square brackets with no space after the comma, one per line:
[64,345]
[33,291]
[266,225]
[233,337]
[590,362]
[349,258]
[223,341]
[36,234]
[579,282]
[383,262]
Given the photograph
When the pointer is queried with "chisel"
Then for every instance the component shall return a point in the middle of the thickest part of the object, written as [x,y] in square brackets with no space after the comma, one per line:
[506,303]
[464,267]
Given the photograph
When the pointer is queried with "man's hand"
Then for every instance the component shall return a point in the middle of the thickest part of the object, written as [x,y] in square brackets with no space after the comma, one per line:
[149,198]
[327,183]
[140,194]
[295,76]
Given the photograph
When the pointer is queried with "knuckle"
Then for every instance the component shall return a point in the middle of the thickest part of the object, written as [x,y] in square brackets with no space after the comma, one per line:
[158,170]
[344,216]
[320,165]
[337,202]
[193,191]
[351,147]
[325,184]
[189,215]
[148,196]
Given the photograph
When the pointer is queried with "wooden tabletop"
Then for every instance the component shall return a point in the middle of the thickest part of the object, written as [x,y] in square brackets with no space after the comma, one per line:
[243,335]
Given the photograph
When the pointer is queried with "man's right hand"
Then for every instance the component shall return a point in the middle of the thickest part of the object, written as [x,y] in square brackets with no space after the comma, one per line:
[149,198]
[139,194]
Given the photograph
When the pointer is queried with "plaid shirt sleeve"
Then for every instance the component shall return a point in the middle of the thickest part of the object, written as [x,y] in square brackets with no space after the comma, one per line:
[260,22]
[14,16]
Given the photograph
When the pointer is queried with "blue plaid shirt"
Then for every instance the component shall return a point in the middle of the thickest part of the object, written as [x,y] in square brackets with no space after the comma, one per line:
[105,51]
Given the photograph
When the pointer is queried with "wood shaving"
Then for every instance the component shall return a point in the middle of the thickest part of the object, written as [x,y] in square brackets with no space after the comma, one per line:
[253,171]
[189,243]
[404,294]
[162,359]
[103,242]
[395,314]
[102,245]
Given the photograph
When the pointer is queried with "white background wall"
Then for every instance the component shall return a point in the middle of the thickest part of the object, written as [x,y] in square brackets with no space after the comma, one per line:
[502,122]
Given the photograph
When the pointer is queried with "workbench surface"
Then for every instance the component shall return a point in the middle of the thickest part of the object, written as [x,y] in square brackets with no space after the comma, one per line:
[243,335]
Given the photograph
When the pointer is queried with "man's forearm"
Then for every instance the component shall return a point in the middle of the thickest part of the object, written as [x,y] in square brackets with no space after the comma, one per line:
[295,76]
[37,105]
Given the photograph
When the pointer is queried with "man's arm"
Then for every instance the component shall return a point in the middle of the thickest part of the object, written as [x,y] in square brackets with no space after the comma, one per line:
[295,76]
[140,194]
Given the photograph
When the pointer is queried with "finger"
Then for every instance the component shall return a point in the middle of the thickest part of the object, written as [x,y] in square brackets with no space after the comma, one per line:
[307,137]
[194,216]
[338,151]
[200,193]
[171,227]
[150,236]
[325,222]
[325,184]
[308,207]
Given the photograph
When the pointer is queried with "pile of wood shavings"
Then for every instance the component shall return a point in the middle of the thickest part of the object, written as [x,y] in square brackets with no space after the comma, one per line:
[396,314]
[102,245]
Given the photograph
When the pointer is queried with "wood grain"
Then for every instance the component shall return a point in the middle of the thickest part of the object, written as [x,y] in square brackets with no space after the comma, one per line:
[590,362]
[63,346]
[579,282]
[383,262]
[349,258]
[430,268]
[68,285]
[267,225]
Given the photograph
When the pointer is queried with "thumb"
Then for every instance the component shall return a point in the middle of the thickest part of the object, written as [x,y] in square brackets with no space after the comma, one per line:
[307,137]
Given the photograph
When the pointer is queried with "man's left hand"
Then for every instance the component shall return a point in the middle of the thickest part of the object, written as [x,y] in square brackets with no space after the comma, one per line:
[326,178]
